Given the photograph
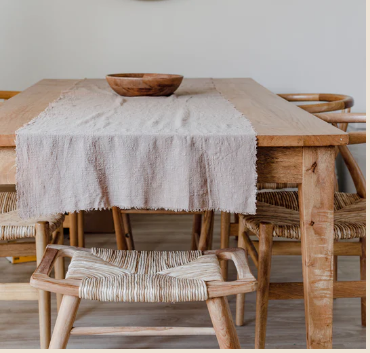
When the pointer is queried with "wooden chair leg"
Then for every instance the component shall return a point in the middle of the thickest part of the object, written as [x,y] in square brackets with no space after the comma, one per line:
[73,229]
[206,230]
[64,323]
[42,240]
[128,231]
[240,298]
[118,229]
[195,233]
[219,311]
[59,267]
[225,234]
[363,277]
[80,229]
[264,270]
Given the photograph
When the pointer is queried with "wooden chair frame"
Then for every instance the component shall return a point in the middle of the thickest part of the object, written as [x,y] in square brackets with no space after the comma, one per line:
[330,102]
[267,247]
[23,291]
[217,303]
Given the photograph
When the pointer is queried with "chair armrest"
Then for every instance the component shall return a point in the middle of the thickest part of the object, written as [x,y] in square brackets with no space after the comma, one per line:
[245,283]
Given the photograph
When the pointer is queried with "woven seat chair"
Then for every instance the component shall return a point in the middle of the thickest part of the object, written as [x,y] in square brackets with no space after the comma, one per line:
[278,216]
[324,102]
[13,234]
[153,276]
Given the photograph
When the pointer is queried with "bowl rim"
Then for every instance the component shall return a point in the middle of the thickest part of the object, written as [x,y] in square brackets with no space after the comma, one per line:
[155,76]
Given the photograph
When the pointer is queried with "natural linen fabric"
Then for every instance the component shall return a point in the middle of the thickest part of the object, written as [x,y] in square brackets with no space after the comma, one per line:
[93,149]
[146,276]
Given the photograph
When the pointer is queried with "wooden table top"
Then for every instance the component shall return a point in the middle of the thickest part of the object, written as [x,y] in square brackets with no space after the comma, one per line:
[277,122]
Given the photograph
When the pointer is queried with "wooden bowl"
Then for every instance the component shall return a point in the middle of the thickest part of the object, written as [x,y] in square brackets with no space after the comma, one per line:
[134,85]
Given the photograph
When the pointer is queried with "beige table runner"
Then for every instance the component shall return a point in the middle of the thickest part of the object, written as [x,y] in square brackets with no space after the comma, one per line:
[92,149]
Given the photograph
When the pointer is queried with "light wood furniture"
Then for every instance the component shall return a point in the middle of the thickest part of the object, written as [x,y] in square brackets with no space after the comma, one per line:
[324,102]
[329,102]
[13,232]
[216,301]
[286,323]
[293,147]
[278,216]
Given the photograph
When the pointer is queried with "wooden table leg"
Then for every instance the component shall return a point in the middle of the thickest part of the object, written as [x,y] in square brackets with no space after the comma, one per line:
[80,229]
[316,204]
[73,229]
[225,234]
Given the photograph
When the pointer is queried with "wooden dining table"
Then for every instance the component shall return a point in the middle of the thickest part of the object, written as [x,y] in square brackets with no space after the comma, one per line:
[293,146]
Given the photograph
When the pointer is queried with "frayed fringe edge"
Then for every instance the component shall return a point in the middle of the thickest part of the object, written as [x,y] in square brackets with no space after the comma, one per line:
[217,209]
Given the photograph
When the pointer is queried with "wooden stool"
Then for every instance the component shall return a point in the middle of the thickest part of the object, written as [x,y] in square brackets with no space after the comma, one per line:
[44,231]
[132,276]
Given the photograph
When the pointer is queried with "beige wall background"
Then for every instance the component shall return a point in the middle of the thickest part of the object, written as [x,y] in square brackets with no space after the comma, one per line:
[286,45]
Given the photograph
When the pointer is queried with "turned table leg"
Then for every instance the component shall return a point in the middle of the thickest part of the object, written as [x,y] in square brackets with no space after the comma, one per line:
[316,204]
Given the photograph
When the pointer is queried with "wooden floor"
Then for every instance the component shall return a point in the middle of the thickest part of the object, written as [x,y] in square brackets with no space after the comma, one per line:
[286,326]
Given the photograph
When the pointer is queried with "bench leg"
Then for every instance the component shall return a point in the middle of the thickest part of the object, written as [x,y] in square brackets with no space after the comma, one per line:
[64,323]
[222,323]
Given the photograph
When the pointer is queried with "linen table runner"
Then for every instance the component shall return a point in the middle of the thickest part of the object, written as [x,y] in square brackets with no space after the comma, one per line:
[93,149]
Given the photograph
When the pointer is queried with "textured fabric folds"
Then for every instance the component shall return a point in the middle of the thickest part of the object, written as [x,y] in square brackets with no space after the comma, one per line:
[93,149]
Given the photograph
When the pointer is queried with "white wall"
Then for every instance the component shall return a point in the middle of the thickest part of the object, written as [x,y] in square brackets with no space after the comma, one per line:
[287,45]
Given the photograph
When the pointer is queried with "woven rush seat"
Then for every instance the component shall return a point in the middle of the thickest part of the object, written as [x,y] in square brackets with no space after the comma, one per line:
[147,276]
[289,199]
[349,216]
[13,227]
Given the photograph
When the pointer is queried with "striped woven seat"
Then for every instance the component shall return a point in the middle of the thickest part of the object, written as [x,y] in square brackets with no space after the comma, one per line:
[13,227]
[282,211]
[146,276]
[289,199]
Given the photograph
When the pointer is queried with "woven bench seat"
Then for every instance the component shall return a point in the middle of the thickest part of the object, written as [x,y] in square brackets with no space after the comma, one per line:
[13,227]
[146,276]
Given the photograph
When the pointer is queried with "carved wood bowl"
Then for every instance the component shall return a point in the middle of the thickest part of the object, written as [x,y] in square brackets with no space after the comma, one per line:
[134,85]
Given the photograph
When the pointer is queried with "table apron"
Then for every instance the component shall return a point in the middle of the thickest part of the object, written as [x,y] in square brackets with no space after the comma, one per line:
[274,165]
